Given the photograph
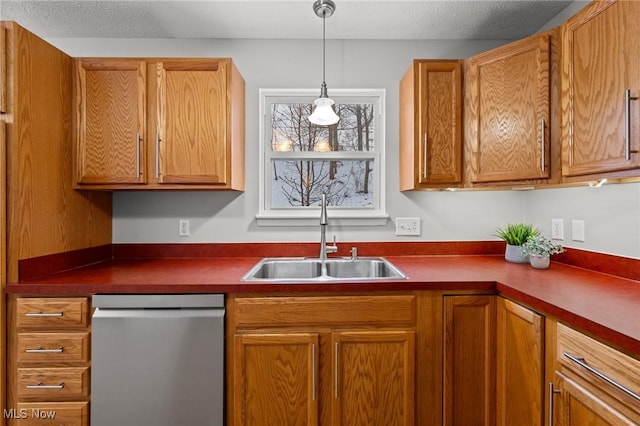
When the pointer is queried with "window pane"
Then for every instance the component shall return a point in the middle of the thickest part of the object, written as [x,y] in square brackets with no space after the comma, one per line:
[292,131]
[296,183]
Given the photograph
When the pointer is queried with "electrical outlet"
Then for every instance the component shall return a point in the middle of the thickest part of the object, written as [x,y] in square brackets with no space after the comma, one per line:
[557,229]
[407,226]
[577,230]
[183,228]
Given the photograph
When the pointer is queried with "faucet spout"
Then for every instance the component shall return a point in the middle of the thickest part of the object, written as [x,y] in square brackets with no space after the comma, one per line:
[323,210]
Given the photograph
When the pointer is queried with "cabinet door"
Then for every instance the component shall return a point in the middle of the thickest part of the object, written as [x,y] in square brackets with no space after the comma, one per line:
[469,360]
[600,69]
[192,122]
[373,378]
[431,124]
[275,377]
[509,115]
[520,371]
[111,103]
[578,406]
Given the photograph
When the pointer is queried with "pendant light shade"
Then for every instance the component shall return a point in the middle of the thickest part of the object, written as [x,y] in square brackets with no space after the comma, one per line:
[324,115]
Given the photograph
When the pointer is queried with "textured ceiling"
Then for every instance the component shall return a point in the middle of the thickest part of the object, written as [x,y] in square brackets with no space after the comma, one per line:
[288,19]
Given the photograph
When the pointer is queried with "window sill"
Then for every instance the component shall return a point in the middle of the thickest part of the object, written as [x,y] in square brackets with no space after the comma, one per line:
[283,219]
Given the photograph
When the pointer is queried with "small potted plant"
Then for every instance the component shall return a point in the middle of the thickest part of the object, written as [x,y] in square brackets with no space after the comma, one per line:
[516,234]
[539,249]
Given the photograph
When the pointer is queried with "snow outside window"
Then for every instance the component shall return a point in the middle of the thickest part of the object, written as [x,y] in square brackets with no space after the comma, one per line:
[300,161]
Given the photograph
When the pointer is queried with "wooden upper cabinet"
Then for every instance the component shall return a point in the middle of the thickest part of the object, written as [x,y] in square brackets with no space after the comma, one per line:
[431,125]
[192,122]
[110,121]
[600,87]
[164,123]
[509,111]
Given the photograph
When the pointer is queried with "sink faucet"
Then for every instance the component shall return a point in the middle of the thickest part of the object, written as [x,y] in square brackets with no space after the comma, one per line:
[324,249]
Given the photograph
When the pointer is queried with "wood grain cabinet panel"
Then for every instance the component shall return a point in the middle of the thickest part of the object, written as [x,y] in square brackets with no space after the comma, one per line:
[51,414]
[374,378]
[520,365]
[192,122]
[601,68]
[276,379]
[469,360]
[49,360]
[52,312]
[287,369]
[594,383]
[110,109]
[159,124]
[431,125]
[510,114]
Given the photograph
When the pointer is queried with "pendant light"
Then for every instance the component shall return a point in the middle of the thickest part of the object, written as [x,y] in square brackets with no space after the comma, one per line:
[324,115]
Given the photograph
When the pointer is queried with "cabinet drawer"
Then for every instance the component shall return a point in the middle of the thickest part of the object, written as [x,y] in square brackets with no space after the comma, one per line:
[330,310]
[53,347]
[51,383]
[52,312]
[50,414]
[599,365]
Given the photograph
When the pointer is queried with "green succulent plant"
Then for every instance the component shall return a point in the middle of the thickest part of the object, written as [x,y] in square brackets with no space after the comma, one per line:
[516,234]
[540,246]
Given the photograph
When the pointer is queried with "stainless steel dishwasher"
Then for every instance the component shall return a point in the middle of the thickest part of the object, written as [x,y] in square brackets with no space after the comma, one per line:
[157,360]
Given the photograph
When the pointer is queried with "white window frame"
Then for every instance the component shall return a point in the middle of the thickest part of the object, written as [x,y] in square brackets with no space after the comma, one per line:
[309,216]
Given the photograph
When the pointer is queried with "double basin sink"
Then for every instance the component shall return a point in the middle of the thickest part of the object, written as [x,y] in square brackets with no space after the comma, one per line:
[315,270]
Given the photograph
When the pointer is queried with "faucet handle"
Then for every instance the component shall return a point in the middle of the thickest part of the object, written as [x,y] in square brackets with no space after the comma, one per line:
[333,248]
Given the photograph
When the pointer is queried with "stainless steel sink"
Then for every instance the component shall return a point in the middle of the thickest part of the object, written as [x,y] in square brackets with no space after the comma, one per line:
[316,270]
[285,269]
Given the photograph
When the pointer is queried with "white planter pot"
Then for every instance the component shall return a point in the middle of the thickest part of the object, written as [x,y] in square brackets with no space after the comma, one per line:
[539,262]
[514,254]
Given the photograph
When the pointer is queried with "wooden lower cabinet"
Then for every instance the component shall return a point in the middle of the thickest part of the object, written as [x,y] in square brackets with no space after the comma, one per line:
[469,360]
[355,367]
[276,379]
[520,365]
[49,361]
[590,383]
[373,378]
[493,362]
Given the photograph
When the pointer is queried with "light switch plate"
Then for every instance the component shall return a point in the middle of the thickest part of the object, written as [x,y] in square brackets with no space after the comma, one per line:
[408,226]
[577,230]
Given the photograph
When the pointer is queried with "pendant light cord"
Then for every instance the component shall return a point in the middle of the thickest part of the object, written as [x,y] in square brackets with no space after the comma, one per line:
[324,49]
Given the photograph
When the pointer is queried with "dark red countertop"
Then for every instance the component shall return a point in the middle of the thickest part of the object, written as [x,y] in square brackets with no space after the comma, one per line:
[604,305]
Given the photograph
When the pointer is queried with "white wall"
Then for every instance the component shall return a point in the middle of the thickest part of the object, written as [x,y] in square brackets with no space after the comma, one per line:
[611,213]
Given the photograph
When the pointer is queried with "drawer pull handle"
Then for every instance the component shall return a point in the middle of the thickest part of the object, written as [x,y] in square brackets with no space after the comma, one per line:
[581,362]
[41,386]
[44,314]
[42,350]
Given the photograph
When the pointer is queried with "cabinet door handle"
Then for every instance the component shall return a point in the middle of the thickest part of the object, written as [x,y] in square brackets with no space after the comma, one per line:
[542,143]
[42,386]
[41,350]
[552,392]
[582,363]
[138,155]
[627,124]
[313,371]
[44,314]
[424,156]
[335,374]
[158,155]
